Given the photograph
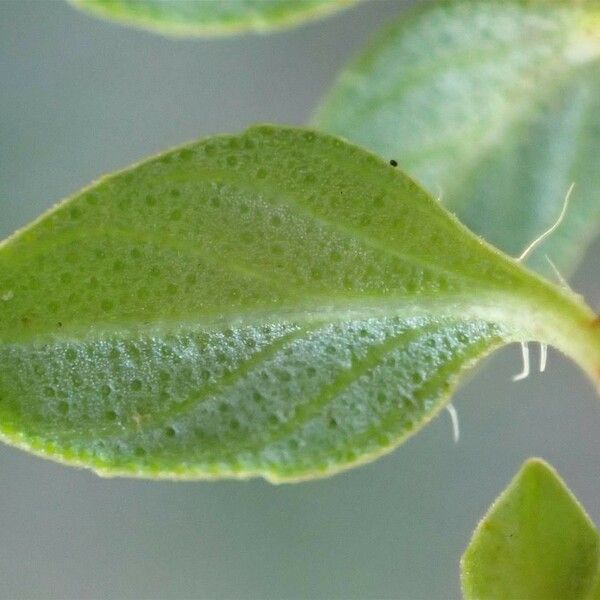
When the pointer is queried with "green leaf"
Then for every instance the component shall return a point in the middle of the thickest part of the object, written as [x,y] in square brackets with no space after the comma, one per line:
[536,542]
[210,17]
[276,303]
[494,105]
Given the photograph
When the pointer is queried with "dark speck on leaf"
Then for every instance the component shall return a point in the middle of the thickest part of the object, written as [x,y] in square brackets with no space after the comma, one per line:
[394,163]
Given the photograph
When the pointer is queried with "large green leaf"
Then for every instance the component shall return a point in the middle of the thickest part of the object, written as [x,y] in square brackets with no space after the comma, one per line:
[210,17]
[277,303]
[495,106]
[536,542]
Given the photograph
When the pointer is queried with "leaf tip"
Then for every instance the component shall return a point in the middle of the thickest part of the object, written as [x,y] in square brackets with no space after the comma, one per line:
[536,540]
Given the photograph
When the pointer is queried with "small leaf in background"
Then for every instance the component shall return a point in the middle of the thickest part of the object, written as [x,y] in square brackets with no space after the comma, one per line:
[210,17]
[276,303]
[536,542]
[494,105]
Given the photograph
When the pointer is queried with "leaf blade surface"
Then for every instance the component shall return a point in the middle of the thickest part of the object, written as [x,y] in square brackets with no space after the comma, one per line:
[276,303]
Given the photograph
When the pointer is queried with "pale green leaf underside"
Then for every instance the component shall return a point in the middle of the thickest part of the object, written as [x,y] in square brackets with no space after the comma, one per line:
[495,107]
[210,17]
[536,542]
[277,303]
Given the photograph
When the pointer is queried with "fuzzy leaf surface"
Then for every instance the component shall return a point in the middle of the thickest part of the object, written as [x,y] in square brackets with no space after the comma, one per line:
[536,542]
[494,105]
[276,303]
[210,17]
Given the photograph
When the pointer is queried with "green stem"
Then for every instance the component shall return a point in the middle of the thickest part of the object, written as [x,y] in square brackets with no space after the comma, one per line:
[568,324]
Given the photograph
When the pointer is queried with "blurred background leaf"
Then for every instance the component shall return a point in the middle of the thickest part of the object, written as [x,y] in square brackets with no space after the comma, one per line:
[210,17]
[495,107]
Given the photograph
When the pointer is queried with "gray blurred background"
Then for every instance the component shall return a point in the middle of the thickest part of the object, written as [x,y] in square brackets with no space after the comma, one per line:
[80,97]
